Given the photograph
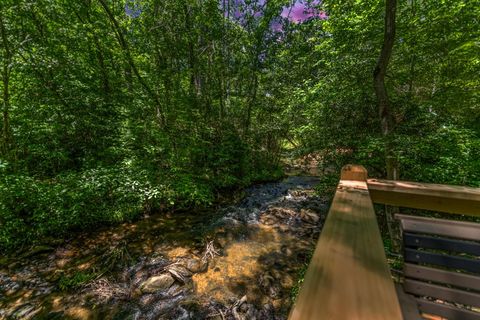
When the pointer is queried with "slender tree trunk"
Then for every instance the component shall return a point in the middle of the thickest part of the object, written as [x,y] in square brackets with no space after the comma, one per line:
[104,81]
[6,132]
[385,112]
[412,58]
[195,79]
[6,111]
[126,50]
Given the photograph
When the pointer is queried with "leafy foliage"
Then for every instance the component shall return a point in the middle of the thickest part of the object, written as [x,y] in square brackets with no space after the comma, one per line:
[113,108]
[432,82]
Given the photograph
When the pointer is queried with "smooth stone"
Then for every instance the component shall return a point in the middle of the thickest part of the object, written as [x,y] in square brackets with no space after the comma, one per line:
[196,265]
[179,272]
[157,283]
[309,216]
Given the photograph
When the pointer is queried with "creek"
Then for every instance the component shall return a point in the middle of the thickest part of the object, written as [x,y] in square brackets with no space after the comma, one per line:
[241,261]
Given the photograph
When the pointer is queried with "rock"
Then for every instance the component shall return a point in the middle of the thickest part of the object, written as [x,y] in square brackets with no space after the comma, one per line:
[176,290]
[179,272]
[269,285]
[287,251]
[268,220]
[27,311]
[221,242]
[157,283]
[158,260]
[37,250]
[309,216]
[196,265]
[266,281]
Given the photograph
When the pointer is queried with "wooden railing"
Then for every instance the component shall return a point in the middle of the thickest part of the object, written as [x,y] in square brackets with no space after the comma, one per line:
[348,276]
[428,196]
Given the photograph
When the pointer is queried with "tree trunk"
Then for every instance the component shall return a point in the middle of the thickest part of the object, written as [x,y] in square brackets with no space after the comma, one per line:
[385,112]
[128,56]
[6,132]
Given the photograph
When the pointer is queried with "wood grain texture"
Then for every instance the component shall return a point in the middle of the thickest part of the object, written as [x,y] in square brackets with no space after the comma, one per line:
[438,197]
[446,261]
[421,288]
[408,304]
[442,276]
[348,276]
[414,240]
[354,172]
[442,227]
[446,311]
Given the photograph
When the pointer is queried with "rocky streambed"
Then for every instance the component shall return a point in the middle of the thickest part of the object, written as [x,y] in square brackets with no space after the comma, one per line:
[237,262]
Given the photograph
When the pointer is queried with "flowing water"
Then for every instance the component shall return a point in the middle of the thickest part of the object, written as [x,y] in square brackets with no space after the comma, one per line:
[237,262]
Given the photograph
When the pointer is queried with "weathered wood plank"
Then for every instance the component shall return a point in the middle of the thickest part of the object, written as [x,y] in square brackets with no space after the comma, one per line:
[442,276]
[451,245]
[348,276]
[408,304]
[354,172]
[442,227]
[446,311]
[421,288]
[452,262]
[444,198]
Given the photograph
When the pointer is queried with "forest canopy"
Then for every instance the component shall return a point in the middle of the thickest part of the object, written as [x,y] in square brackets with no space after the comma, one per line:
[111,109]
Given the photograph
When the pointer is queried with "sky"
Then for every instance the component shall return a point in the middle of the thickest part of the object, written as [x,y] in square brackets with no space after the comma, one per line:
[300,11]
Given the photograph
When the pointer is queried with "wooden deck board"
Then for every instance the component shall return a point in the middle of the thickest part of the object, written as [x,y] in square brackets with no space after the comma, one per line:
[348,276]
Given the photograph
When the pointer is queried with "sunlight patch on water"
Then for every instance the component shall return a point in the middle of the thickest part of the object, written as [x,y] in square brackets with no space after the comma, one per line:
[237,271]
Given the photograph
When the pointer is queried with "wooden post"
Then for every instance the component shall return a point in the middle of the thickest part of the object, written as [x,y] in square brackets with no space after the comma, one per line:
[354,172]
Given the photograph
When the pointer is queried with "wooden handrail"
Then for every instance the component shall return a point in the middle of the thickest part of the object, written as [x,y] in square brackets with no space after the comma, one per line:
[428,196]
[348,276]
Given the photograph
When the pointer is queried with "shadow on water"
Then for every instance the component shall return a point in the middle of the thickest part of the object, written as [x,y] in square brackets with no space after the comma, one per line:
[238,262]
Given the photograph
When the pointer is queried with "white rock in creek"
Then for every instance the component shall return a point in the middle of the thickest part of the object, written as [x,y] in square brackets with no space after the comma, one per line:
[157,283]
[179,272]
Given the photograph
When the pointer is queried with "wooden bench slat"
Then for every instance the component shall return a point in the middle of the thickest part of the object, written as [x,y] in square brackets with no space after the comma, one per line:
[348,276]
[447,261]
[451,245]
[446,311]
[408,304]
[442,276]
[421,288]
[438,197]
[443,227]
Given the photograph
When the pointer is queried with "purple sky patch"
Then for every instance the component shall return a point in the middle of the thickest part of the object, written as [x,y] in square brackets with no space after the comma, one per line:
[132,9]
[298,12]
[302,11]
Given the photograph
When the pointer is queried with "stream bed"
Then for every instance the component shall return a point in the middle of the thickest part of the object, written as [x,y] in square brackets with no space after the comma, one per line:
[238,262]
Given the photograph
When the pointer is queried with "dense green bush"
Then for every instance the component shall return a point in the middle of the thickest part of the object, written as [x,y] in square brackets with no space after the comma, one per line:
[32,208]
[447,155]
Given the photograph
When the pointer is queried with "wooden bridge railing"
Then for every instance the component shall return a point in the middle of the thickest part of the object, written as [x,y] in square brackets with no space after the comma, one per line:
[428,196]
[348,276]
